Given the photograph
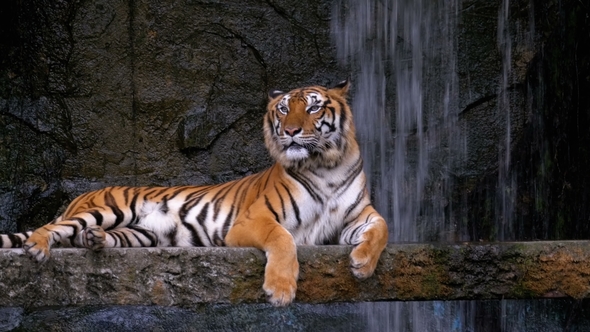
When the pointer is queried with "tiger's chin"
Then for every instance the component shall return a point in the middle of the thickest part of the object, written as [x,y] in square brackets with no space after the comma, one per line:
[294,157]
[296,152]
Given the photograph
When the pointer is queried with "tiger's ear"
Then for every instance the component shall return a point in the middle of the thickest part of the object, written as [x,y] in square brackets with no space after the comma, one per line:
[272,94]
[342,88]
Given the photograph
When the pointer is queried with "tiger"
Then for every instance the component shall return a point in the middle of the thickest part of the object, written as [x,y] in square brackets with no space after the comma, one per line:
[315,193]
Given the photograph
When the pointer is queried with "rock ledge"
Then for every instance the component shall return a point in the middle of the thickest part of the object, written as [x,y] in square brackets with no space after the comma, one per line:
[191,276]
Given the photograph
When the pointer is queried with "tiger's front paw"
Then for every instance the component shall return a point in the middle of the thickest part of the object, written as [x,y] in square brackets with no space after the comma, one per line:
[280,283]
[93,237]
[363,260]
[37,247]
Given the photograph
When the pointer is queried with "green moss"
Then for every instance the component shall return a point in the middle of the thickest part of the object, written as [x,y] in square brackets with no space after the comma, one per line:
[560,224]
[521,291]
[431,284]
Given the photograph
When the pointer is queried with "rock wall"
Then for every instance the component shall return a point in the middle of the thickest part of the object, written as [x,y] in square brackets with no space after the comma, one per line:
[97,93]
[547,184]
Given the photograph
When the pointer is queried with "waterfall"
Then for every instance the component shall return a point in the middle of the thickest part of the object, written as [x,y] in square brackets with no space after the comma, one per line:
[506,180]
[405,101]
[405,118]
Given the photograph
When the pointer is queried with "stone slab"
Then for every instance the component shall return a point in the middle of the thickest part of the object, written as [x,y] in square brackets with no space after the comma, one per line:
[187,277]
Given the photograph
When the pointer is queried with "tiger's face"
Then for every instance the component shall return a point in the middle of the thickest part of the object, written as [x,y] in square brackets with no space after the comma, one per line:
[309,126]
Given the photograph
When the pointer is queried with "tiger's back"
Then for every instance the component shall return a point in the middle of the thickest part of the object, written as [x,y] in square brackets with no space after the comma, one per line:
[171,216]
[160,216]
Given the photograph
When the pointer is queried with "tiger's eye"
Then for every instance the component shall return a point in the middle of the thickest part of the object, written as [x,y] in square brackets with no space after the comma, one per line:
[314,109]
[283,109]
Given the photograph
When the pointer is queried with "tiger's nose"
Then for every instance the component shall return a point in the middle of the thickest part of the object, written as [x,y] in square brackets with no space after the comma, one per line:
[292,131]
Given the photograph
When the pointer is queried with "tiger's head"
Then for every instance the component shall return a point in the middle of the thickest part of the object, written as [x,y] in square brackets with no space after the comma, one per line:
[309,127]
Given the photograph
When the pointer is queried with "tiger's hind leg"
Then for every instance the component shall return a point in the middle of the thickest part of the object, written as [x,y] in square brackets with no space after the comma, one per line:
[91,237]
[67,230]
[96,238]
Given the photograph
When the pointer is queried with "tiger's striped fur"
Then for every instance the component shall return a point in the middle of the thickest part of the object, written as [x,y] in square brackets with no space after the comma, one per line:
[314,194]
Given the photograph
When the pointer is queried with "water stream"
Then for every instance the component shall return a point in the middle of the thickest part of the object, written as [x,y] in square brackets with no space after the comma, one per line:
[506,180]
[406,123]
[406,99]
[405,103]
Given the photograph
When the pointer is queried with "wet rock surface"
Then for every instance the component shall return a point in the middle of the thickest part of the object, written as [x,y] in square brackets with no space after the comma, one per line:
[548,73]
[258,317]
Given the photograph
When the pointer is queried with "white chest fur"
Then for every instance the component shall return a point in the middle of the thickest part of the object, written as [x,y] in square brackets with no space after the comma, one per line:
[337,196]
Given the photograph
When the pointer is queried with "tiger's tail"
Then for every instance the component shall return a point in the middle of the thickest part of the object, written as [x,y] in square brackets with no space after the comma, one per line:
[14,240]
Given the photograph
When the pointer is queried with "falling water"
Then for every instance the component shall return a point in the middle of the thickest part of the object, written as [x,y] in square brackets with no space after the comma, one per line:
[406,124]
[405,121]
[506,180]
[406,105]
[404,57]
